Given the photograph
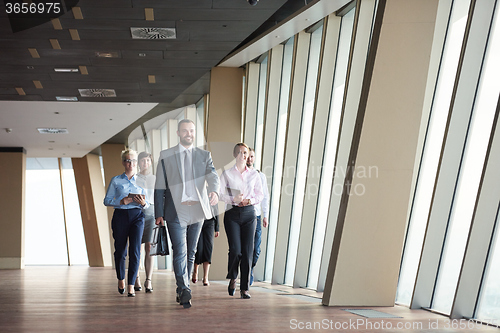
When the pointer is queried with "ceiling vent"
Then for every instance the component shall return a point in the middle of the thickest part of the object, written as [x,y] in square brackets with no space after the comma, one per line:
[153,33]
[50,130]
[97,92]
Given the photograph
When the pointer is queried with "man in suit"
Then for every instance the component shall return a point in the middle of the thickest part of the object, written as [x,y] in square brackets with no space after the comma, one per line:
[186,186]
[261,211]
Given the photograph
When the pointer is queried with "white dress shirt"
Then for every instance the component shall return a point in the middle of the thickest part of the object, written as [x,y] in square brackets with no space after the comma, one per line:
[262,209]
[248,183]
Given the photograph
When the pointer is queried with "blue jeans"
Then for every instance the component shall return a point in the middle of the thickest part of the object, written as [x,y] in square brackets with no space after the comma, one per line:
[257,241]
[184,240]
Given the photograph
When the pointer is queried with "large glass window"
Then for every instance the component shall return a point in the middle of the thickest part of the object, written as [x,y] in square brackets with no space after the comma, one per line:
[275,189]
[261,106]
[432,150]
[46,240]
[330,150]
[303,154]
[470,175]
[489,301]
[200,123]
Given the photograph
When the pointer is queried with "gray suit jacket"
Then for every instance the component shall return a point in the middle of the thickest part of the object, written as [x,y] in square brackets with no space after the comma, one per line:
[168,192]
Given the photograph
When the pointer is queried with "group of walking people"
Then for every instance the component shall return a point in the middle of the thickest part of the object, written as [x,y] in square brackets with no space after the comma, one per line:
[184,196]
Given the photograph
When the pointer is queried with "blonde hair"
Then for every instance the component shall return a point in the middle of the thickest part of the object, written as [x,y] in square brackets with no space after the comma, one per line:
[236,149]
[128,151]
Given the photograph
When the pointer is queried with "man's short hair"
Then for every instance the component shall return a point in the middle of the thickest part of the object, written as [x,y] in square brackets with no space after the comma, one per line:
[128,151]
[236,149]
[184,121]
[251,149]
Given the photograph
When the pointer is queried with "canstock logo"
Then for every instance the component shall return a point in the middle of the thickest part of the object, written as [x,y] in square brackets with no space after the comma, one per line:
[25,15]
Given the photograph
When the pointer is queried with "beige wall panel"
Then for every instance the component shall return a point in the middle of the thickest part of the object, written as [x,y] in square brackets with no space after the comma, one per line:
[91,194]
[369,253]
[13,178]
[98,193]
[223,132]
[111,163]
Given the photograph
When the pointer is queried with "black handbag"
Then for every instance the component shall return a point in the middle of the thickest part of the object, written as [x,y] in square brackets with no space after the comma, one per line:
[159,244]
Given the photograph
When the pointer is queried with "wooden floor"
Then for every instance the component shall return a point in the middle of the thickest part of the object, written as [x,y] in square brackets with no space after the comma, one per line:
[82,299]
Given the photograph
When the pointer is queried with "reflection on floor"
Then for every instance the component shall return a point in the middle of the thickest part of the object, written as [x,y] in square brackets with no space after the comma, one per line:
[83,299]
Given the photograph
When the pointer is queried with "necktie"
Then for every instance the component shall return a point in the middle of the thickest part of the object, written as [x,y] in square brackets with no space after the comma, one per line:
[188,173]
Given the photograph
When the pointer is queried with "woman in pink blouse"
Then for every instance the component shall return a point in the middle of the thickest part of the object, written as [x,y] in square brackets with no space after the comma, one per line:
[241,188]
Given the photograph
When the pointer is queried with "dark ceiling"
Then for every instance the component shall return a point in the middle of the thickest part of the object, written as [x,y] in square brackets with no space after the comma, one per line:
[206,31]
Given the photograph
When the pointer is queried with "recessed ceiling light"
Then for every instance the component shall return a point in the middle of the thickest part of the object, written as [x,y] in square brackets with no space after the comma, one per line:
[153,33]
[51,130]
[67,98]
[107,54]
[66,70]
[142,54]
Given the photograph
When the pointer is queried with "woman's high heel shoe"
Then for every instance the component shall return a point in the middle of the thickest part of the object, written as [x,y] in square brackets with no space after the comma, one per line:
[148,290]
[120,290]
[244,294]
[232,286]
[137,286]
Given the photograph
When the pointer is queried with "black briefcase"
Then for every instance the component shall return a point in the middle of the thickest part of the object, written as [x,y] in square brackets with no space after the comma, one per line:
[159,244]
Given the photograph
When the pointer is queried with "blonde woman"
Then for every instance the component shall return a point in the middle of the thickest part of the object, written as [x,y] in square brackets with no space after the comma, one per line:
[128,200]
[241,188]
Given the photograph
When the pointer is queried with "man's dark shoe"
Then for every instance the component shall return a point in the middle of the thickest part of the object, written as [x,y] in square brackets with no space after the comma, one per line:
[185,298]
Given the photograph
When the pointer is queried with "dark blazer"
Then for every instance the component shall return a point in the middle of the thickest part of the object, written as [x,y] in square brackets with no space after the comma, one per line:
[168,192]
